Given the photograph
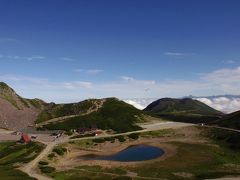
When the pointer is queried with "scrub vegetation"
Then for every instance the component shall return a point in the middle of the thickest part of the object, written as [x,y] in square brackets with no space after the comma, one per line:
[13,155]
[114,114]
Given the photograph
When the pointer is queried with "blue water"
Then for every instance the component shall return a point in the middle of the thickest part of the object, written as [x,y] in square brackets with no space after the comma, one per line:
[132,153]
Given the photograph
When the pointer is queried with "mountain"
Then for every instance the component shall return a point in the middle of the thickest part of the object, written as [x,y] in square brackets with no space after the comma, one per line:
[223,103]
[17,112]
[184,110]
[180,106]
[55,111]
[230,121]
[109,113]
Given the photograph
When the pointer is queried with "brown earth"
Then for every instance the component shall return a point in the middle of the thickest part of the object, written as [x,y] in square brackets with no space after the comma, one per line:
[16,112]
[14,118]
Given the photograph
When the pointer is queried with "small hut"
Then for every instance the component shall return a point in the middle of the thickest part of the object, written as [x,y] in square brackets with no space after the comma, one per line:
[25,138]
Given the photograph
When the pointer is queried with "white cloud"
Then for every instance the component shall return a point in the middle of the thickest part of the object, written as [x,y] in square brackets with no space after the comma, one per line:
[78,70]
[94,71]
[77,84]
[4,40]
[89,71]
[35,58]
[135,104]
[68,59]
[140,103]
[227,80]
[126,78]
[20,78]
[174,54]
[229,62]
[135,81]
[223,104]
[22,58]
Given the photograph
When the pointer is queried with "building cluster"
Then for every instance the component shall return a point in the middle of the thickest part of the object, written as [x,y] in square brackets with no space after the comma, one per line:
[95,131]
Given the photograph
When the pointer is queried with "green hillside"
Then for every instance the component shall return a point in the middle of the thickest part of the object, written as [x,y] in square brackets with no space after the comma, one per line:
[114,114]
[53,110]
[180,106]
[13,155]
[230,121]
[183,110]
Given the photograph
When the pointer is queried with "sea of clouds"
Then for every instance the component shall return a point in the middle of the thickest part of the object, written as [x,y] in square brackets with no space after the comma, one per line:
[224,103]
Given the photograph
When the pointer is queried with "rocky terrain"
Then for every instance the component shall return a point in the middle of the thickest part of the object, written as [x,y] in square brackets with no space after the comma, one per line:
[17,112]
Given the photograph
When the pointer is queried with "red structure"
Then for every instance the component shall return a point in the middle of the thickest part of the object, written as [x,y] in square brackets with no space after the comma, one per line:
[98,132]
[25,138]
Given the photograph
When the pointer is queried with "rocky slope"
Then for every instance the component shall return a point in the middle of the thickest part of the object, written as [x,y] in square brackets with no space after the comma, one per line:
[17,112]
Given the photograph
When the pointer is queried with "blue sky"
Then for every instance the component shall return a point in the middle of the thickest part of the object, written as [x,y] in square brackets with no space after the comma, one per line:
[61,50]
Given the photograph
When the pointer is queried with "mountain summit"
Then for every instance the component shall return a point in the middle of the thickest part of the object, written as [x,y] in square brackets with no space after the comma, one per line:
[180,106]
[183,110]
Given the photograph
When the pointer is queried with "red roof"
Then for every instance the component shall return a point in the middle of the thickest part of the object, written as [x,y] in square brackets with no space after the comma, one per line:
[98,132]
[25,138]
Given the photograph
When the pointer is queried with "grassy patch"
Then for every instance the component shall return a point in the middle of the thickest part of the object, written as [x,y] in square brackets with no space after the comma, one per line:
[47,169]
[91,172]
[223,137]
[12,155]
[133,136]
[43,163]
[60,150]
[37,103]
[159,133]
[198,160]
[51,156]
[120,138]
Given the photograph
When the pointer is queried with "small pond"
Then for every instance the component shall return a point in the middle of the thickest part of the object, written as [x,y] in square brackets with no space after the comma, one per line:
[132,153]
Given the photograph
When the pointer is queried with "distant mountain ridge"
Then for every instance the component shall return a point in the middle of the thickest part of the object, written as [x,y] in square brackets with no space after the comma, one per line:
[183,110]
[224,103]
[179,106]
[18,113]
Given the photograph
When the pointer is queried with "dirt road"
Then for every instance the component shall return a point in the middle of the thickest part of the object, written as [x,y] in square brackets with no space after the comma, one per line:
[31,167]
